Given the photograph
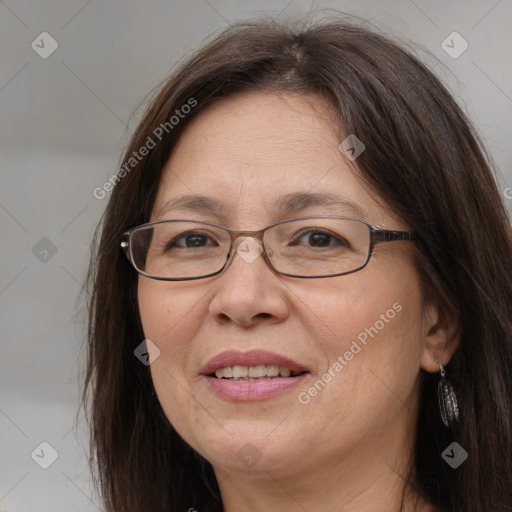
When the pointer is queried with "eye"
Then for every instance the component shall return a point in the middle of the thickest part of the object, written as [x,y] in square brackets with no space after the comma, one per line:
[318,238]
[190,239]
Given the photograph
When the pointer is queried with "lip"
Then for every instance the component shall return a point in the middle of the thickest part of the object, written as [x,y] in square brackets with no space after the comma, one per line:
[248,391]
[251,358]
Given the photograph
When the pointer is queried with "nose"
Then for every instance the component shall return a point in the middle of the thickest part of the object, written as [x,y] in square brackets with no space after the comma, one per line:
[249,291]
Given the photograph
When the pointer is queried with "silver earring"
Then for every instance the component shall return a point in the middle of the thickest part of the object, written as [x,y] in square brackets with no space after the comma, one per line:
[447,400]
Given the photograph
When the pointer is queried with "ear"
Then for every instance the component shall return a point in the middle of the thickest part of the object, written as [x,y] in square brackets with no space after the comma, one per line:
[441,337]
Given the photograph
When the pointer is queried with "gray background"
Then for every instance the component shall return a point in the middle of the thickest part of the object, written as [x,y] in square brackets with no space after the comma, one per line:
[64,122]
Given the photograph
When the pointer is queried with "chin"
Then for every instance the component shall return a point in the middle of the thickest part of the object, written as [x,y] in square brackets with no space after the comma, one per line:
[252,460]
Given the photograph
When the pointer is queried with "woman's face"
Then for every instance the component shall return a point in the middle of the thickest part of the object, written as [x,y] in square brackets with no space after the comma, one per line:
[360,338]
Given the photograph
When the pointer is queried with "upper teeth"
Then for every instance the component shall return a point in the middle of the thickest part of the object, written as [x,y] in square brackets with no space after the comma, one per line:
[237,372]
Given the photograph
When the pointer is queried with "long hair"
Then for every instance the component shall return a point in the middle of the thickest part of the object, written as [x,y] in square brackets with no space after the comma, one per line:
[422,156]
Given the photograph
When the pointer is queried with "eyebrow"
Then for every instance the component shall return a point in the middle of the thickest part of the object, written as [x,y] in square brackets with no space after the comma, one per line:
[287,204]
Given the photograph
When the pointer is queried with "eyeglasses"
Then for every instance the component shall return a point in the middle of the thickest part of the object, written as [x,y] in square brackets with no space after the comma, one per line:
[307,247]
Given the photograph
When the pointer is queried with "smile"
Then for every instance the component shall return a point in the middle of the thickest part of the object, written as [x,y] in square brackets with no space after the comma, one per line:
[253,375]
[249,373]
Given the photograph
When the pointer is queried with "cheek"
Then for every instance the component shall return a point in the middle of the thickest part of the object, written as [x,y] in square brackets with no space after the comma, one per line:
[359,309]
[154,310]
[369,333]
[170,320]
[169,317]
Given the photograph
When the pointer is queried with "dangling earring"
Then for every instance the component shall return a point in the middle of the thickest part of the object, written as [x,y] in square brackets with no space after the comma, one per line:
[447,400]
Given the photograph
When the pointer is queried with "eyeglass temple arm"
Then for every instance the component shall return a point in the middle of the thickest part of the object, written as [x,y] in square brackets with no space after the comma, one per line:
[385,235]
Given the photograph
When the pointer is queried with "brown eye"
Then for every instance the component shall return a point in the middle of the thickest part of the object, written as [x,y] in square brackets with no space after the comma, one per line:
[189,240]
[318,238]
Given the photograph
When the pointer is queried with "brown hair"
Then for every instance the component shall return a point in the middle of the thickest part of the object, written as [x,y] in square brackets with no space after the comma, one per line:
[423,157]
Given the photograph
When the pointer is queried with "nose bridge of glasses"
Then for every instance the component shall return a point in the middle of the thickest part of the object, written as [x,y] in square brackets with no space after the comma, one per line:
[238,238]
[247,244]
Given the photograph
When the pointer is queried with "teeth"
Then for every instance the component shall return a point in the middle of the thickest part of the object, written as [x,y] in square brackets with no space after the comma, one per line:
[284,371]
[261,371]
[272,370]
[257,371]
[239,371]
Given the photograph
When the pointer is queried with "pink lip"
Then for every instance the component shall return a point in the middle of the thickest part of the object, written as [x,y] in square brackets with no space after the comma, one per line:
[247,391]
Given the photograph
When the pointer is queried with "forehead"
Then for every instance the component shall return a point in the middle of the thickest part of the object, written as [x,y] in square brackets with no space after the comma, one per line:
[244,124]
[252,152]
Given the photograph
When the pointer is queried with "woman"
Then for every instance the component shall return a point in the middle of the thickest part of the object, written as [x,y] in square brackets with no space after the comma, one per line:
[301,294]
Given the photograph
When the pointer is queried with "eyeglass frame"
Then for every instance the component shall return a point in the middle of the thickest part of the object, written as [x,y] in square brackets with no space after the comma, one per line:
[377,235]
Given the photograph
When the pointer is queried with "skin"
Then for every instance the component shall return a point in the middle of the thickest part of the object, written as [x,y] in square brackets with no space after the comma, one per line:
[349,448]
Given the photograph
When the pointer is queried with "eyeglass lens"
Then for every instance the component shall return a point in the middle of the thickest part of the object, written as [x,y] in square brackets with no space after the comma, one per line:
[305,247]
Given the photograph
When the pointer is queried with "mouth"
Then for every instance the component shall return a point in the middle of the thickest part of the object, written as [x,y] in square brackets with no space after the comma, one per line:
[253,375]
[250,373]
[254,364]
